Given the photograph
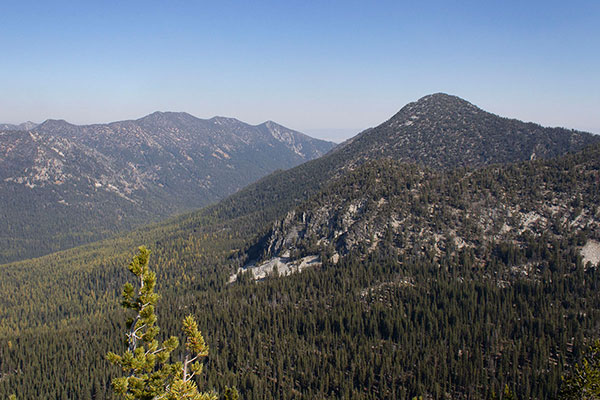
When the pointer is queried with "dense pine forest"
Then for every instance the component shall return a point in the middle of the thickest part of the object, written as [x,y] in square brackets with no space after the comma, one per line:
[422,222]
[396,321]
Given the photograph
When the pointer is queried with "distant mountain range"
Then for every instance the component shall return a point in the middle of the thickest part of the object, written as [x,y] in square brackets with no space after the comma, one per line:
[25,126]
[449,253]
[62,184]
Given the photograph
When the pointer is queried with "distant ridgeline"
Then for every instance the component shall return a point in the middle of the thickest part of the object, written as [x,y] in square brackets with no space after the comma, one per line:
[63,185]
[432,273]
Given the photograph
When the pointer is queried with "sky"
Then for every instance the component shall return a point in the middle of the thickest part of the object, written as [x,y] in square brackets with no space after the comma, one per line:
[327,68]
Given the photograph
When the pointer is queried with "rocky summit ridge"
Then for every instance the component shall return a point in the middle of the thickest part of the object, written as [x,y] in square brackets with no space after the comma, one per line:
[442,131]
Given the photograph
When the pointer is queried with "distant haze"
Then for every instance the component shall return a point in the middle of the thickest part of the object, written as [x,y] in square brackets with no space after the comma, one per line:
[320,65]
[334,135]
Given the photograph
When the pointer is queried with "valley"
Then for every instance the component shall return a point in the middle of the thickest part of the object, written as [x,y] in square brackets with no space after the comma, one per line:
[64,185]
[446,253]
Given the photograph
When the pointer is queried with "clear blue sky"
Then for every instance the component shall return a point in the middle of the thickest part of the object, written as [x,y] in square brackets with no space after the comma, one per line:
[322,66]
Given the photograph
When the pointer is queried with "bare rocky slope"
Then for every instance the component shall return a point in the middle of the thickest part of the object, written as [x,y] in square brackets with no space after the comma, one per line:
[62,184]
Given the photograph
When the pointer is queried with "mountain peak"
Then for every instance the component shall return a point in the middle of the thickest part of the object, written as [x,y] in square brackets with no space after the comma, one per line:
[53,124]
[165,115]
[441,97]
[25,126]
[436,105]
[217,119]
[28,125]
[51,121]
[273,125]
[441,130]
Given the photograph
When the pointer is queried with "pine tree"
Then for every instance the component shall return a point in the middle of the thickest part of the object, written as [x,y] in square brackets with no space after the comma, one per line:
[145,363]
[584,382]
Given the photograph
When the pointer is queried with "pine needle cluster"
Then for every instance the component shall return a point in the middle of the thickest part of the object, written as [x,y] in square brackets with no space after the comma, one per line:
[148,373]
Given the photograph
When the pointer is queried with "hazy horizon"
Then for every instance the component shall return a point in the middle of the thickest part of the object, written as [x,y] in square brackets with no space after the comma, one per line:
[332,68]
[337,135]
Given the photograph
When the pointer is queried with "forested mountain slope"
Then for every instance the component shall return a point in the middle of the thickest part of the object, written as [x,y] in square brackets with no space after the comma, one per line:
[437,131]
[421,311]
[62,185]
[412,210]
[432,316]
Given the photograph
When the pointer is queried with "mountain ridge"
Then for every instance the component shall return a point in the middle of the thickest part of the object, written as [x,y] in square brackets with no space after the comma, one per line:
[408,207]
[18,127]
[444,131]
[512,311]
[290,188]
[114,176]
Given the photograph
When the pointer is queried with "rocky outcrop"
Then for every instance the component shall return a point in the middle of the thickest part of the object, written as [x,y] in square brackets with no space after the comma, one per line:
[413,210]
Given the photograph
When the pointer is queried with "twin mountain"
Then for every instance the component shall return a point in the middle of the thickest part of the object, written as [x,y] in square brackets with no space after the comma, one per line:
[452,253]
[63,185]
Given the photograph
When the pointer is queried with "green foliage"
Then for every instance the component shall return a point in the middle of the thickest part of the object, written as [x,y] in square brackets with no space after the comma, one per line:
[149,375]
[509,394]
[377,325]
[231,394]
[584,380]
